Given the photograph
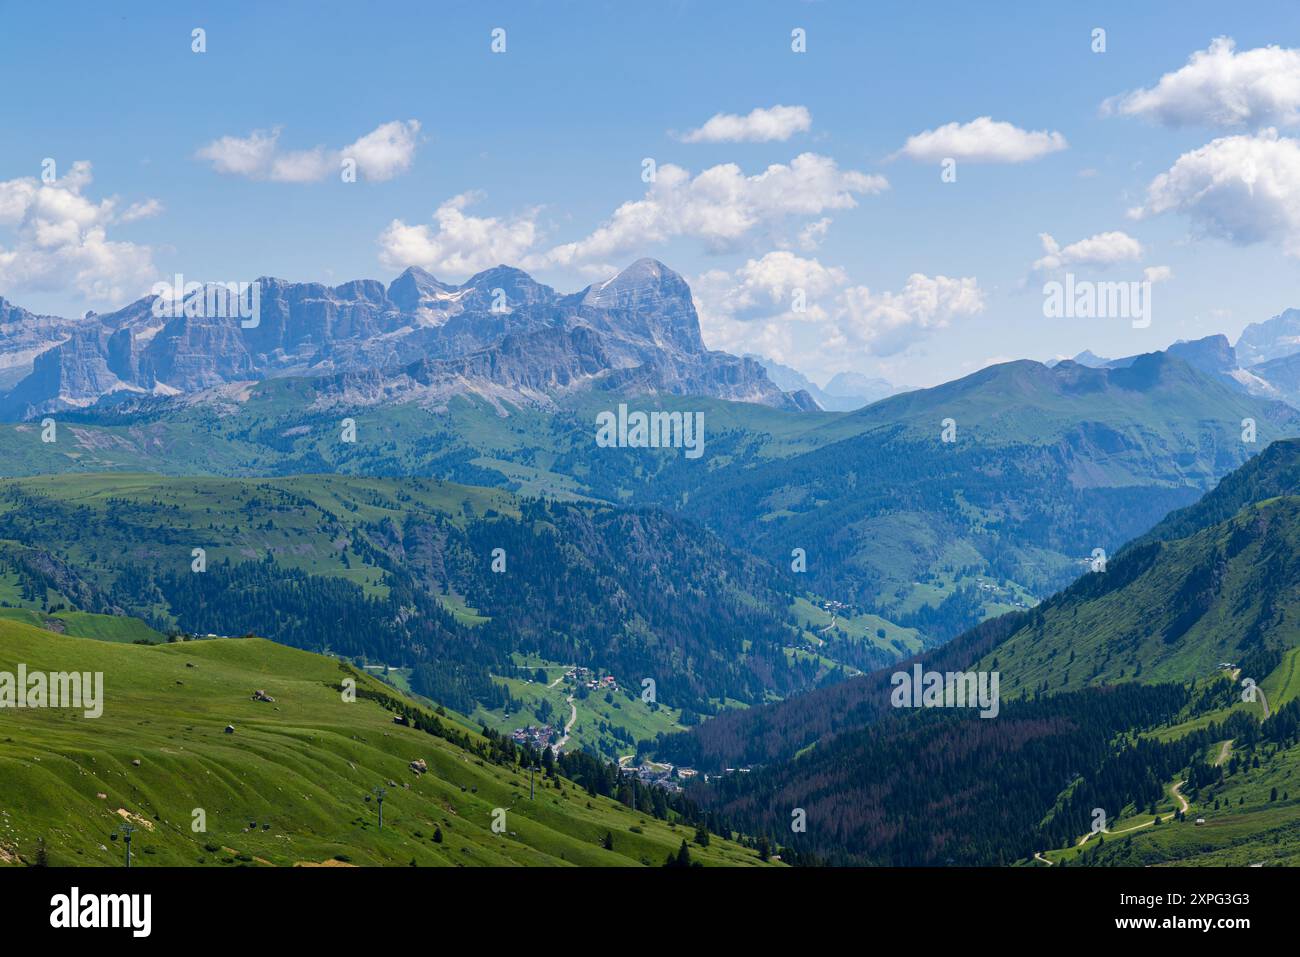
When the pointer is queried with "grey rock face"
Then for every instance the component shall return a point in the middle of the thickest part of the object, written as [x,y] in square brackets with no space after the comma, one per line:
[1274,338]
[500,333]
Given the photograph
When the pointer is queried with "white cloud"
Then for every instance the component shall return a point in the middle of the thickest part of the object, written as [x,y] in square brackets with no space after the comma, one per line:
[720,206]
[458,245]
[145,209]
[1222,88]
[982,140]
[810,236]
[1154,274]
[383,153]
[386,151]
[764,287]
[887,323]
[759,126]
[1103,249]
[750,310]
[1245,189]
[249,156]
[60,239]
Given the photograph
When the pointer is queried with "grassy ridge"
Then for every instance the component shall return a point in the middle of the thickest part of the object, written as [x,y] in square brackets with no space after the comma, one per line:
[80,624]
[302,765]
[1169,611]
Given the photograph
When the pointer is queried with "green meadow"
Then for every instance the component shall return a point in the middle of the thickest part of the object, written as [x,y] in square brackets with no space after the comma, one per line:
[292,785]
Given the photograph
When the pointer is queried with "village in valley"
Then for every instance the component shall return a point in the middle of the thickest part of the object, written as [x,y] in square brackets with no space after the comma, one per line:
[593,692]
[582,683]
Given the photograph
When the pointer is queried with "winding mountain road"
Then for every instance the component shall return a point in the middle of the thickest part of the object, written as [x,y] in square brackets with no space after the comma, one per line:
[573,719]
[1176,793]
[1136,827]
[1224,752]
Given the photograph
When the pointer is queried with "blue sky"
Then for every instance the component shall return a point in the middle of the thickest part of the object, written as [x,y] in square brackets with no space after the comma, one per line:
[527,156]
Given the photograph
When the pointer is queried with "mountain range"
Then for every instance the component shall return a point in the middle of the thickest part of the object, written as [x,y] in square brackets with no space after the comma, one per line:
[352,466]
[1123,692]
[1264,362]
[1045,463]
[844,391]
[500,334]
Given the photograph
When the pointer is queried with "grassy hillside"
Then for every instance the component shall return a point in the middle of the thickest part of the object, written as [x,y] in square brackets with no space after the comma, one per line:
[606,722]
[1046,464]
[410,564]
[1122,692]
[287,426]
[1250,817]
[1169,610]
[1043,466]
[290,785]
[79,624]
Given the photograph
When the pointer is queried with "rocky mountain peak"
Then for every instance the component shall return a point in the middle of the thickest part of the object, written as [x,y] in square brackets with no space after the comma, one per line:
[642,319]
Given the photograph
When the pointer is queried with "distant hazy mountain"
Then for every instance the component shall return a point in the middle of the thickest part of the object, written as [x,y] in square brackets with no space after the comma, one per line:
[845,392]
[1272,339]
[857,387]
[1281,376]
[1090,359]
[501,335]
[1044,465]
[1214,356]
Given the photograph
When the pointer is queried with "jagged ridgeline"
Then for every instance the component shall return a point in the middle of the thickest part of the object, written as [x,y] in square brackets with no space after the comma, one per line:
[500,334]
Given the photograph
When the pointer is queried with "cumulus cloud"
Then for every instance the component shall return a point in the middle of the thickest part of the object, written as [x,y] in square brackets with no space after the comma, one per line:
[766,287]
[145,209]
[60,238]
[758,126]
[382,154]
[753,309]
[386,151]
[982,140]
[886,323]
[720,206]
[1103,249]
[810,236]
[1220,87]
[457,244]
[1245,189]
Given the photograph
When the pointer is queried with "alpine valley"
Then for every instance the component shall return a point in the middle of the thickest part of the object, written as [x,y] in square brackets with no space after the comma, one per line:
[400,489]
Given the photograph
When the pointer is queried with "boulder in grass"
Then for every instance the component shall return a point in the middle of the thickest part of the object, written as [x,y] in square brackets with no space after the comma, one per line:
[419,766]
